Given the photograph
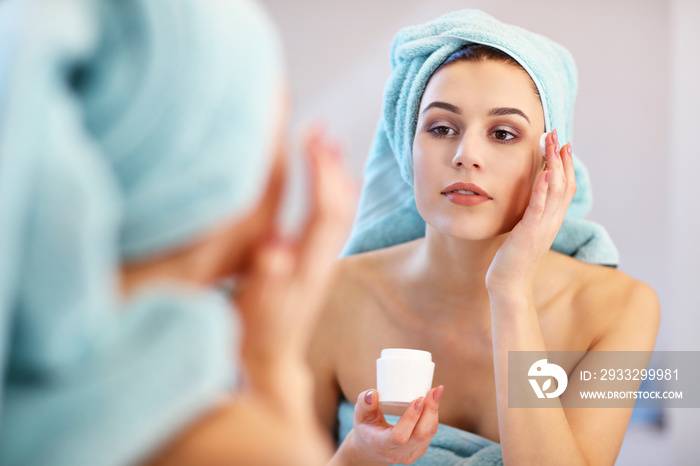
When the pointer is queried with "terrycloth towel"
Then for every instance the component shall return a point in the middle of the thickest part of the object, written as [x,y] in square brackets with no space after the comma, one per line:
[126,128]
[387,213]
[174,97]
[449,446]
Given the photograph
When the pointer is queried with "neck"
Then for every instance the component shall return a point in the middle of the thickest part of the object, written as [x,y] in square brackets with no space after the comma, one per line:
[455,270]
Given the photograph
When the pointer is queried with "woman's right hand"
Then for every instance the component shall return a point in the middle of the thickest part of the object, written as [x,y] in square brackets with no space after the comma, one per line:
[372,440]
[282,293]
[287,280]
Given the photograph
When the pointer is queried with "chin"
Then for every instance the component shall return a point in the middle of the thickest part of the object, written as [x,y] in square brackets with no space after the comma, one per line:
[467,229]
[466,225]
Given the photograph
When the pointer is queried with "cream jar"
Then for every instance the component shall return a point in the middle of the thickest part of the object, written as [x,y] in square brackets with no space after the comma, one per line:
[403,375]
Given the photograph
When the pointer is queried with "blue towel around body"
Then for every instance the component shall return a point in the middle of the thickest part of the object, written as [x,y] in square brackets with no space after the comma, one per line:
[449,447]
[387,212]
[127,129]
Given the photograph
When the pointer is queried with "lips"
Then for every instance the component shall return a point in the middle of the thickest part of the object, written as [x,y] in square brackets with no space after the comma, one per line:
[467,194]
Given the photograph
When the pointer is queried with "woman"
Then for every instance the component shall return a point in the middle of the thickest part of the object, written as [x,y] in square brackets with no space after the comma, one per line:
[143,162]
[458,147]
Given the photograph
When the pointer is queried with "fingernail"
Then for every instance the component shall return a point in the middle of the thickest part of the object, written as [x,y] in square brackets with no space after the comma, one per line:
[274,238]
[368,397]
[337,152]
[419,404]
[569,150]
[316,129]
[437,394]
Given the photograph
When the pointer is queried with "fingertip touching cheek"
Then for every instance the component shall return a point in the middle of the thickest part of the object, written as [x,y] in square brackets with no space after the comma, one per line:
[476,148]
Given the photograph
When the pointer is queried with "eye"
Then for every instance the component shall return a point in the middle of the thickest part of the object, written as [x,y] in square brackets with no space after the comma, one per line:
[442,131]
[502,135]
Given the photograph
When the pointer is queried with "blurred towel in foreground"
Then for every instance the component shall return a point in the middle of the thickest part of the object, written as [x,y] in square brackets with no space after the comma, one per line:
[127,128]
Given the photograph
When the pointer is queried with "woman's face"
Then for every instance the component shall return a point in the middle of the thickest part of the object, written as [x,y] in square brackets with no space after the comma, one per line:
[478,131]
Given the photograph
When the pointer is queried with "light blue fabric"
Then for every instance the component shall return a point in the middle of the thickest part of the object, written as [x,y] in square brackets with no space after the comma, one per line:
[449,446]
[127,128]
[195,78]
[387,213]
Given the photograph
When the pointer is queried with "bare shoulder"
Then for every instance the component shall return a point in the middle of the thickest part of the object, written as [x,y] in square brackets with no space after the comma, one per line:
[354,278]
[352,303]
[356,297]
[608,290]
[615,304]
[360,278]
[355,294]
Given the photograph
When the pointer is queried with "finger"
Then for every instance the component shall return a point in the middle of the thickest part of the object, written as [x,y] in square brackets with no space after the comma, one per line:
[330,182]
[319,245]
[400,434]
[329,222]
[535,208]
[556,179]
[552,150]
[332,200]
[428,423]
[568,162]
[367,409]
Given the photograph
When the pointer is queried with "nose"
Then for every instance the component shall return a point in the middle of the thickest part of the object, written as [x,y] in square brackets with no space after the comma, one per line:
[468,154]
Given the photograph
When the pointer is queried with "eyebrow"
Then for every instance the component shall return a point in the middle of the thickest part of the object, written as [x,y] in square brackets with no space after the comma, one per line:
[500,111]
[443,105]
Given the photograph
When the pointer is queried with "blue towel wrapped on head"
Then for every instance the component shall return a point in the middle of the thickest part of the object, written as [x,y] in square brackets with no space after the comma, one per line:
[128,129]
[387,213]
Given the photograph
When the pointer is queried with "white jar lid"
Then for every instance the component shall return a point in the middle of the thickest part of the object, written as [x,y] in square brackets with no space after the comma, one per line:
[404,353]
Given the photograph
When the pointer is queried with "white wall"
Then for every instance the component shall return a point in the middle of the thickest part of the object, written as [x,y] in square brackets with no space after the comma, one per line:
[684,194]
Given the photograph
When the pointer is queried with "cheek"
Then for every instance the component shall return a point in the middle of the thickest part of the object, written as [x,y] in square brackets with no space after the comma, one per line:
[523,177]
[419,180]
[430,159]
[425,182]
[419,169]
[524,170]
[418,161]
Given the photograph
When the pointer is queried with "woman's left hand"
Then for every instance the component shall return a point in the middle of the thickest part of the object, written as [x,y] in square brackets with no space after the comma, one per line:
[514,265]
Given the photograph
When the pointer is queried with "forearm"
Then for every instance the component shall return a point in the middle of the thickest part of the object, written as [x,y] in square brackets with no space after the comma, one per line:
[528,436]
[245,430]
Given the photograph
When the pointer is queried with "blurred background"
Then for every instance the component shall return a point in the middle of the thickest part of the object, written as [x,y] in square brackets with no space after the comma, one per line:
[637,110]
